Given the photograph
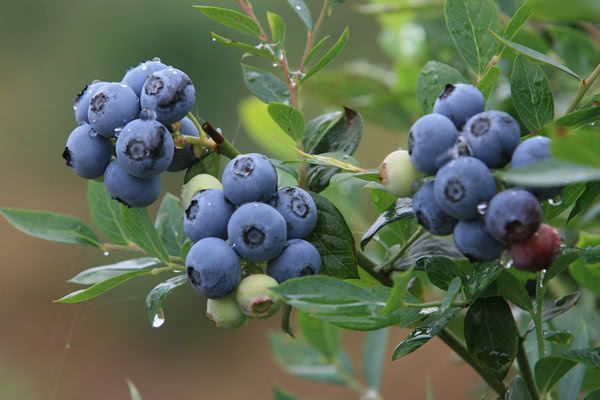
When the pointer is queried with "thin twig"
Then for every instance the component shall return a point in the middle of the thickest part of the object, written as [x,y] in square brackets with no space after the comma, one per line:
[311,36]
[525,370]
[584,85]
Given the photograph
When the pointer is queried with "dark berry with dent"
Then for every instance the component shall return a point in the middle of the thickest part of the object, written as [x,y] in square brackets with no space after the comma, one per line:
[169,92]
[184,157]
[474,241]
[429,215]
[137,76]
[257,232]
[513,216]
[249,177]
[462,185]
[207,215]
[428,139]
[459,102]
[129,190]
[538,252]
[112,107]
[298,258]
[298,209]
[87,152]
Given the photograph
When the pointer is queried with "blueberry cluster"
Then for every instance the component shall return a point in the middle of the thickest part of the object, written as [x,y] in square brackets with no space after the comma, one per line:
[124,131]
[460,143]
[248,221]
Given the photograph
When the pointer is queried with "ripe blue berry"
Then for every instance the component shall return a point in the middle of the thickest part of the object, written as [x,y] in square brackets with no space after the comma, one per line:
[492,136]
[257,232]
[136,77]
[298,209]
[513,216]
[249,177]
[463,184]
[429,215]
[255,298]
[207,215]
[213,268]
[474,242]
[298,258]
[459,102]
[129,190]
[430,138]
[82,101]
[145,148]
[87,152]
[171,93]
[184,157]
[112,107]
[532,151]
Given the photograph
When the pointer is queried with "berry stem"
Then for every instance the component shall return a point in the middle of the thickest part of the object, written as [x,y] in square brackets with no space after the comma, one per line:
[525,369]
[402,252]
[311,36]
[225,147]
[459,348]
[584,85]
[246,7]
[539,307]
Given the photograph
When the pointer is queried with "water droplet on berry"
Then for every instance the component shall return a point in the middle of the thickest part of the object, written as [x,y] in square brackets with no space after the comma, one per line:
[144,67]
[505,260]
[156,59]
[96,81]
[124,85]
[556,201]
[159,318]
[118,131]
[482,208]
[74,108]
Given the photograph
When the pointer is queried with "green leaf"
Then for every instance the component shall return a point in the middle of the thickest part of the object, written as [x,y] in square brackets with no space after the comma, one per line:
[592,191]
[51,226]
[491,335]
[334,240]
[513,290]
[248,48]
[399,291]
[549,370]
[577,47]
[209,164]
[578,118]
[536,56]
[426,330]
[571,10]
[303,12]
[277,27]
[289,120]
[519,19]
[560,337]
[373,355]
[141,231]
[531,94]
[265,85]
[95,275]
[518,390]
[483,275]
[156,296]
[488,81]
[320,335]
[134,393]
[471,23]
[595,395]
[567,257]
[316,49]
[169,224]
[558,307]
[106,213]
[101,287]
[280,394]
[550,173]
[232,19]
[569,195]
[581,147]
[398,211]
[344,304]
[427,246]
[441,271]
[329,56]
[432,80]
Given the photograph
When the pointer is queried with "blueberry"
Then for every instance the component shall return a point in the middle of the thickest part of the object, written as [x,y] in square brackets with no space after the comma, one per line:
[257,231]
[112,107]
[129,190]
[429,138]
[82,101]
[225,312]
[532,151]
[429,215]
[397,173]
[474,242]
[171,93]
[462,185]
[538,252]
[207,215]
[184,158]
[459,102]
[492,136]
[249,177]
[255,298]
[298,209]
[145,148]
[513,216]
[298,258]
[136,77]
[87,152]
[213,268]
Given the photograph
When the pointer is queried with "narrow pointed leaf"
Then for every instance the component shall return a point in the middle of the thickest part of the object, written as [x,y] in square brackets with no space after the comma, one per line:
[265,85]
[156,296]
[106,213]
[99,274]
[289,120]
[101,287]
[329,56]
[303,12]
[141,231]
[232,19]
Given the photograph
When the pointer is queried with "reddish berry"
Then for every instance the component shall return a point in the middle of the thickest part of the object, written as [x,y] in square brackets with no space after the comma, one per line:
[538,252]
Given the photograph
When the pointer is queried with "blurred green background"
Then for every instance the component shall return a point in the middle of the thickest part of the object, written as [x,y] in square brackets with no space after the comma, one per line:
[48,51]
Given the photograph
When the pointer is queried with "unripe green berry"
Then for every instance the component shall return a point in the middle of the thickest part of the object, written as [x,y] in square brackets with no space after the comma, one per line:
[225,312]
[255,298]
[195,185]
[397,173]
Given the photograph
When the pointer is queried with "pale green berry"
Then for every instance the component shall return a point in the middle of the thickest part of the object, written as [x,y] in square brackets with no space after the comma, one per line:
[397,173]
[255,298]
[195,185]
[225,312]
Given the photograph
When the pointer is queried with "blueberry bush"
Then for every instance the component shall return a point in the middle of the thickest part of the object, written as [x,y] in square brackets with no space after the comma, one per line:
[488,234]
